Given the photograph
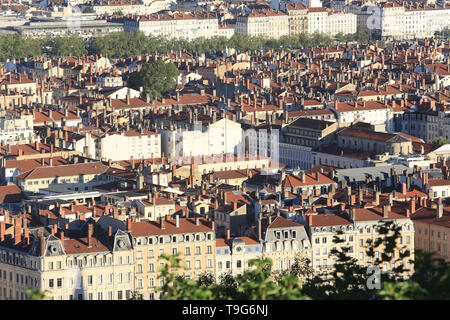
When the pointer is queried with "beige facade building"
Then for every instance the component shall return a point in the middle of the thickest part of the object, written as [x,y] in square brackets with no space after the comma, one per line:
[192,238]
[267,23]
[76,177]
[431,226]
[298,17]
[70,269]
[284,240]
[154,207]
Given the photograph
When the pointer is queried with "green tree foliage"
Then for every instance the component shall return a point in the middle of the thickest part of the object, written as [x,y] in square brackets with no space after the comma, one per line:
[88,10]
[36,294]
[16,47]
[67,46]
[255,284]
[156,78]
[440,141]
[347,280]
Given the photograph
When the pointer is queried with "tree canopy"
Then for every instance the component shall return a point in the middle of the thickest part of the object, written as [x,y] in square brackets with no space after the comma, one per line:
[440,141]
[156,78]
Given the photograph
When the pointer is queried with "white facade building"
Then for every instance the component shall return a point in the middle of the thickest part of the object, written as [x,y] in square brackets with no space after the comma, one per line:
[176,25]
[16,130]
[343,22]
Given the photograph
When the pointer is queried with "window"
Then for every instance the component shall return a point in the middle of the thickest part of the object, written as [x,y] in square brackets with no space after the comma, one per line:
[150,253]
[90,281]
[139,268]
[119,295]
[99,280]
[197,250]
[151,282]
[59,282]
[151,267]
[174,251]
[239,264]
[209,249]
[50,283]
[139,254]
[100,296]
[198,264]
[187,251]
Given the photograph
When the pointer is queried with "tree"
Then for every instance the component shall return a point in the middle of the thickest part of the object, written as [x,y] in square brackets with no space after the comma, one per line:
[88,10]
[156,78]
[440,141]
[361,36]
[67,46]
[36,294]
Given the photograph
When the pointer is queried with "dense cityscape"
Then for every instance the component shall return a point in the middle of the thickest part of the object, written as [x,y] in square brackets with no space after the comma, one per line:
[162,149]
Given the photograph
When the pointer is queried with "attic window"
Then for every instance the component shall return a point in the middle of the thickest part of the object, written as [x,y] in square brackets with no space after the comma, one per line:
[77,246]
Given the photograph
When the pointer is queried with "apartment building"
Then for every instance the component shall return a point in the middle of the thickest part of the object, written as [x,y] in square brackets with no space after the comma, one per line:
[413,20]
[297,15]
[322,228]
[267,23]
[309,132]
[341,22]
[175,25]
[233,255]
[129,144]
[110,7]
[375,142]
[306,184]
[75,177]
[222,136]
[86,268]
[367,223]
[154,207]
[432,229]
[15,129]
[193,238]
[317,20]
[284,240]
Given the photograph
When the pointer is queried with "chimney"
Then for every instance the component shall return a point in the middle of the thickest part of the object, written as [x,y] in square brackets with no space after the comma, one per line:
[439,209]
[404,188]
[109,231]
[235,205]
[129,224]
[386,211]
[228,234]
[376,197]
[197,221]
[162,223]
[42,246]
[90,227]
[2,230]
[62,238]
[177,221]
[412,206]
[17,234]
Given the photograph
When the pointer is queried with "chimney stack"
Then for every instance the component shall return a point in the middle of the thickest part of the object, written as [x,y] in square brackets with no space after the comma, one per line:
[90,229]
[42,240]
[386,211]
[412,206]
[440,209]
[228,234]
[177,221]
